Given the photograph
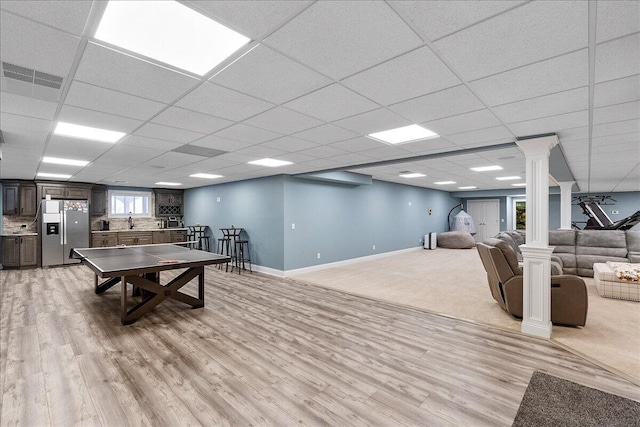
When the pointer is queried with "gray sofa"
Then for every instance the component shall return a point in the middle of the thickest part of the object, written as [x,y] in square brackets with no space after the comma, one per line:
[575,251]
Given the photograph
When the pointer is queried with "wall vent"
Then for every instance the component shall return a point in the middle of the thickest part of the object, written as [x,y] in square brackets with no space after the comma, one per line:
[16,72]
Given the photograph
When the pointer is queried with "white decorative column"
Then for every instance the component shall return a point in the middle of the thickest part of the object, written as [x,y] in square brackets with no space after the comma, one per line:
[565,204]
[536,253]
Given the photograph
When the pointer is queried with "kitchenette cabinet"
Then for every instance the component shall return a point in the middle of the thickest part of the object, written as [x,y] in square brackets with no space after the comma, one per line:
[20,250]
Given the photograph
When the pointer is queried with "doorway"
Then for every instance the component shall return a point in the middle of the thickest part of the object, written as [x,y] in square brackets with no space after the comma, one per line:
[486,217]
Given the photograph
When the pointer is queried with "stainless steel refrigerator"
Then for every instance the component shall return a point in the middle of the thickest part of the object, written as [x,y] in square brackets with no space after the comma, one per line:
[65,225]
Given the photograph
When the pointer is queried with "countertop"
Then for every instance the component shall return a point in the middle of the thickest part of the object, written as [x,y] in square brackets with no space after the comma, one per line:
[17,234]
[139,229]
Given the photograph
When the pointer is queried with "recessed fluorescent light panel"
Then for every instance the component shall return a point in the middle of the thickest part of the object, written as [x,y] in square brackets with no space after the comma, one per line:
[507,178]
[53,175]
[86,132]
[169,184]
[169,32]
[272,163]
[205,175]
[444,182]
[412,175]
[469,187]
[58,161]
[520,184]
[404,134]
[487,168]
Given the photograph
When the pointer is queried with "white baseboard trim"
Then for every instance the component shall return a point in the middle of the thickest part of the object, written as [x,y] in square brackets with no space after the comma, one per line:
[303,270]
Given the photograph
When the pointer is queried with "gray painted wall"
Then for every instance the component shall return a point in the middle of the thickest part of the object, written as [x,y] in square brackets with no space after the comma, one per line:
[341,222]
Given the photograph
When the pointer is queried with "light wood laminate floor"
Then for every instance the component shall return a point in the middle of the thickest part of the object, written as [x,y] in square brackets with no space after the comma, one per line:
[264,351]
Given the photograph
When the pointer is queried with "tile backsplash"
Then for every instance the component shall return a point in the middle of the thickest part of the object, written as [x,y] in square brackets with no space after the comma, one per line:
[14,223]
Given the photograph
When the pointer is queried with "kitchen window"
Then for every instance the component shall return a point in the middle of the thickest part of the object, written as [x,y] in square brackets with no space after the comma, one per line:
[124,204]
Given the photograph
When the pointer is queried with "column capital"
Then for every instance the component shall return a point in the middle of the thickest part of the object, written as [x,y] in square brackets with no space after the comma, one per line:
[538,146]
[565,184]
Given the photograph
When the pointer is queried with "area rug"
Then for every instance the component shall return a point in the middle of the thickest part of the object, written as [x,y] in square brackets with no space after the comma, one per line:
[552,401]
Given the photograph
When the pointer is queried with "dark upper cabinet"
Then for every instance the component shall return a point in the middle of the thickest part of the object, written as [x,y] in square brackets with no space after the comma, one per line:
[169,202]
[98,201]
[19,198]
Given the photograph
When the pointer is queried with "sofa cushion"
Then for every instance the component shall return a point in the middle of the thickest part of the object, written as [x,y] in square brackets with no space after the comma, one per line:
[517,237]
[456,240]
[633,245]
[604,243]
[563,241]
[505,237]
[509,254]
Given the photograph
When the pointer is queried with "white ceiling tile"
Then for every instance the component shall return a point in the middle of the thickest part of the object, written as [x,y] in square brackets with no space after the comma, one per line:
[85,117]
[222,102]
[128,155]
[373,121]
[474,120]
[617,128]
[270,76]
[352,159]
[618,58]
[386,152]
[325,134]
[496,133]
[172,160]
[191,120]
[573,134]
[218,143]
[167,133]
[113,70]
[319,164]
[249,134]
[359,37]
[358,144]
[70,148]
[542,78]
[289,143]
[260,152]
[69,16]
[322,152]
[616,18]
[25,139]
[28,44]
[448,102]
[437,18]
[294,157]
[428,146]
[331,103]
[521,36]
[92,97]
[158,144]
[616,113]
[24,106]
[416,73]
[617,91]
[544,106]
[283,120]
[551,124]
[252,18]
[23,122]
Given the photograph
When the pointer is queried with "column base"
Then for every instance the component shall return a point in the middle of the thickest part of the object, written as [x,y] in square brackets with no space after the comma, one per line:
[536,329]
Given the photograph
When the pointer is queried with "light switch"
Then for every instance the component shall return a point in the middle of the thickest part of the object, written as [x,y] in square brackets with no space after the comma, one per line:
[293,226]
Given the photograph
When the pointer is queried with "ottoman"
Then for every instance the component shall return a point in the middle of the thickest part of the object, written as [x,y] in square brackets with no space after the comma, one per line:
[609,286]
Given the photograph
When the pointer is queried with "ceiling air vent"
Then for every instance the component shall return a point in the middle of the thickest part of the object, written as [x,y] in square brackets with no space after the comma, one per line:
[16,72]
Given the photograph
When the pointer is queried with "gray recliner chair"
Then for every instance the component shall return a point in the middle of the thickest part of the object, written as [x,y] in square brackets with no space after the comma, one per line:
[569,302]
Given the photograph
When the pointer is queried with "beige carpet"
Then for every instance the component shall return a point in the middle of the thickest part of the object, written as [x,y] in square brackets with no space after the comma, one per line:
[453,282]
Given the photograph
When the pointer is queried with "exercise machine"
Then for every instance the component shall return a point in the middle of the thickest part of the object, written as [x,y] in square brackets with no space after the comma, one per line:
[598,218]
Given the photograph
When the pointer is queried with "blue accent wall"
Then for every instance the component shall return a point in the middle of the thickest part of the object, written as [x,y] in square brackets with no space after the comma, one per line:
[338,221]
[255,205]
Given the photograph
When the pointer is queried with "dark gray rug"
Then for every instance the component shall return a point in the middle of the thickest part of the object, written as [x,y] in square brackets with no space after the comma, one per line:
[551,401]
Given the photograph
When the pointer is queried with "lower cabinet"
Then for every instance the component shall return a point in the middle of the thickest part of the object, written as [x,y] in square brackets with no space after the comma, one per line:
[20,251]
[104,240]
[178,236]
[132,238]
[161,236]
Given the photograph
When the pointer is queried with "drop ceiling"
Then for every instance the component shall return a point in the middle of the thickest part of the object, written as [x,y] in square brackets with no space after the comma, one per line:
[319,76]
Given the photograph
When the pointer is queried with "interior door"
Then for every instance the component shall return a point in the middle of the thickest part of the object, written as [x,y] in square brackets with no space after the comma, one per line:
[486,217]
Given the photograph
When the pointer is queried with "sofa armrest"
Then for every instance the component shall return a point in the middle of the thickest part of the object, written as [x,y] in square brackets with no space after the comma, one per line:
[512,290]
[569,300]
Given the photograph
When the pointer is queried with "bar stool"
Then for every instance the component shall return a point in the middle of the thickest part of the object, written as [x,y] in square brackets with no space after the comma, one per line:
[224,248]
[243,255]
[199,233]
[233,234]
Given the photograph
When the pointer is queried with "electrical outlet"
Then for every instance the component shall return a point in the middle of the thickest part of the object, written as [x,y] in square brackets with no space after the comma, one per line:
[318,255]
[374,247]
[409,203]
[293,226]
[218,199]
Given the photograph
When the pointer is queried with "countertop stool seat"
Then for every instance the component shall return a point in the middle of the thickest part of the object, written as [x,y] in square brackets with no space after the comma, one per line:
[224,248]
[198,233]
[230,236]
[242,256]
